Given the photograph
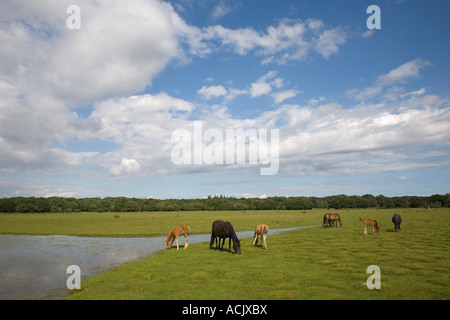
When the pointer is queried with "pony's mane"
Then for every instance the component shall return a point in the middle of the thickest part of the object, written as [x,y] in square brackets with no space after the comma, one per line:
[233,234]
[170,236]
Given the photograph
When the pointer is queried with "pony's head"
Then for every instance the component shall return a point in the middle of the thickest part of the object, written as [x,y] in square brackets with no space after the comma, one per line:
[237,246]
[169,244]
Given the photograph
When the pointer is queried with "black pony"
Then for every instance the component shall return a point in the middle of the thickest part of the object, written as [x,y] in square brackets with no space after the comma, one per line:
[396,219]
[223,230]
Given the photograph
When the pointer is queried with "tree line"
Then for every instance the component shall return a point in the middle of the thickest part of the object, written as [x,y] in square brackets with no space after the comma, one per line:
[217,203]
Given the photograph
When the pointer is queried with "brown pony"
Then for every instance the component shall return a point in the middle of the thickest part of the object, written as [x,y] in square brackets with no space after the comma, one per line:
[222,230]
[372,223]
[261,230]
[178,232]
[330,218]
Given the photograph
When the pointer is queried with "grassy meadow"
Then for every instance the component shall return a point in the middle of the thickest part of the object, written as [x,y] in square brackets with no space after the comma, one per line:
[145,224]
[312,263]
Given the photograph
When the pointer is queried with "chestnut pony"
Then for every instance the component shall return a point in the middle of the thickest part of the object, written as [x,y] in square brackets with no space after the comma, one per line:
[372,223]
[261,230]
[173,235]
[330,218]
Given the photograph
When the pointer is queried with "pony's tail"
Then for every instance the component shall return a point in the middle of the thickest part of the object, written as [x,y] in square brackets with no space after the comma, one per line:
[212,236]
[361,219]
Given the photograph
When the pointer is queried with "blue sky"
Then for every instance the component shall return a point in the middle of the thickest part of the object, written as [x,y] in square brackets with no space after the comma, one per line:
[92,112]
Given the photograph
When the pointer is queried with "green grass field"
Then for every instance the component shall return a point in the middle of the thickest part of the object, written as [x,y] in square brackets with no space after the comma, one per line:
[145,224]
[312,263]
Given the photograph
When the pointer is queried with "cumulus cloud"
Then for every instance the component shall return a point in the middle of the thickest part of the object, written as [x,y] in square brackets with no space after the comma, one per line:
[47,70]
[118,49]
[127,166]
[330,139]
[264,84]
[221,10]
[290,40]
[212,91]
[315,139]
[399,75]
[259,88]
[328,42]
[402,73]
[280,96]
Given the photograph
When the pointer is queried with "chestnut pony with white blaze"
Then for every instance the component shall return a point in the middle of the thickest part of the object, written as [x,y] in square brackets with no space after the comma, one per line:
[173,235]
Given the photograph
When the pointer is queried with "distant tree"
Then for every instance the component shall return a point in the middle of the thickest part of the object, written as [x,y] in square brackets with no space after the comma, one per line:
[131,206]
[8,205]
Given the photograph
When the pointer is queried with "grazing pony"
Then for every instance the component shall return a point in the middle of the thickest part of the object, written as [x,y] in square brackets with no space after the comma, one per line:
[223,230]
[261,230]
[396,219]
[173,235]
[330,218]
[372,223]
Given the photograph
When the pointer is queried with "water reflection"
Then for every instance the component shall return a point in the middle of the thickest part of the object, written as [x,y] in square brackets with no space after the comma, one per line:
[34,267]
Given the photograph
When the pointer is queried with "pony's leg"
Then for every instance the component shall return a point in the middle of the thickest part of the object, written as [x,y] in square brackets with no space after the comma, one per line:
[264,239]
[186,242]
[255,240]
[365,229]
[211,241]
[176,238]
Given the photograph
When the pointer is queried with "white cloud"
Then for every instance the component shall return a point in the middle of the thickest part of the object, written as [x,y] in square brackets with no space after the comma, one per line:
[414,93]
[368,34]
[402,73]
[30,123]
[259,88]
[221,10]
[290,40]
[117,51]
[330,139]
[368,92]
[127,166]
[262,86]
[212,91]
[45,69]
[329,41]
[283,95]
